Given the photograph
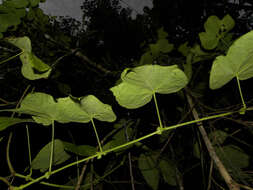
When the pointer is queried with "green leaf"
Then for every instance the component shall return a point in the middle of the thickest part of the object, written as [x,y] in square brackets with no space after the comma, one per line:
[168,171]
[8,20]
[42,159]
[22,43]
[16,3]
[237,63]
[140,83]
[215,29]
[32,67]
[96,109]
[162,45]
[149,171]
[81,150]
[146,59]
[162,34]
[45,109]
[233,157]
[34,3]
[6,122]
[184,49]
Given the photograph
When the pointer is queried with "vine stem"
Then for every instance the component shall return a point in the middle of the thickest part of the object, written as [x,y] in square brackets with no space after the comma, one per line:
[99,143]
[240,91]
[224,173]
[125,145]
[157,111]
[10,58]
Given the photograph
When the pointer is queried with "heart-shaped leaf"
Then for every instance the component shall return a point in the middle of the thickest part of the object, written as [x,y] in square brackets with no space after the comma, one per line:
[215,29]
[45,109]
[42,159]
[96,109]
[141,83]
[237,63]
[6,122]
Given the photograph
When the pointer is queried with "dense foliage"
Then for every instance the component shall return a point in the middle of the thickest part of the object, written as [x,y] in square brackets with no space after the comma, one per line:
[152,103]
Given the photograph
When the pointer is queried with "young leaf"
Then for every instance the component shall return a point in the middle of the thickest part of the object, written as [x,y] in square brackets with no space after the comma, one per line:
[237,63]
[96,109]
[215,29]
[22,43]
[161,45]
[9,121]
[168,172]
[149,171]
[140,83]
[42,159]
[162,34]
[30,63]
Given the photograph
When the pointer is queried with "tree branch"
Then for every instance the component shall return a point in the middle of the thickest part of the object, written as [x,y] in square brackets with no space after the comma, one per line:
[224,173]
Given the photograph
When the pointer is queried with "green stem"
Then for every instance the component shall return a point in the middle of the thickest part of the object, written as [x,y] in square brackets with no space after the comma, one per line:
[29,149]
[52,151]
[10,58]
[241,95]
[125,145]
[5,181]
[99,143]
[157,111]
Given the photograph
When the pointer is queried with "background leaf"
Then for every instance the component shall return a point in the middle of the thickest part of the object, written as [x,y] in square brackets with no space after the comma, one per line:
[42,159]
[215,29]
[233,157]
[168,171]
[149,171]
[81,150]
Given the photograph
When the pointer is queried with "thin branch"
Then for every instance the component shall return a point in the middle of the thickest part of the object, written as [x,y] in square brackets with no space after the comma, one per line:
[224,173]
[93,64]
[210,176]
[80,179]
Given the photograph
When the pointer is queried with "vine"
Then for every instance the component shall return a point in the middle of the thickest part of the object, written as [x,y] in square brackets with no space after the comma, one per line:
[136,88]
